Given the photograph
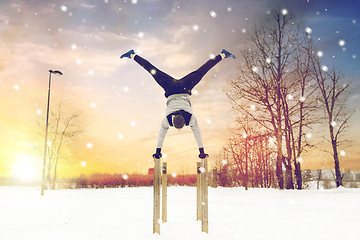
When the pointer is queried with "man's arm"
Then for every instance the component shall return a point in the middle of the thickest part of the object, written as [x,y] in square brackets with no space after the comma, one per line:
[197,134]
[162,133]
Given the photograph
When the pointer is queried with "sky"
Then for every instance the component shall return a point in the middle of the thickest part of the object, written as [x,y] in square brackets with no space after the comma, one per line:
[122,106]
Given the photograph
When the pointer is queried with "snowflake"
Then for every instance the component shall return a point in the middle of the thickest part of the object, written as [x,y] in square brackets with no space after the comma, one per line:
[16,87]
[271,140]
[212,56]
[308,136]
[89,145]
[126,89]
[133,123]
[342,43]
[202,169]
[268,60]
[195,27]
[255,69]
[91,72]
[299,159]
[121,136]
[153,71]
[78,61]
[354,56]
[63,8]
[38,111]
[213,14]
[244,135]
[125,177]
[224,162]
[164,155]
[93,105]
[308,30]
[324,68]
[134,1]
[174,174]
[208,121]
[141,34]
[333,123]
[252,107]
[320,53]
[195,92]
[243,30]
[73,46]
[342,153]
[229,9]
[83,163]
[284,11]
[302,99]
[49,143]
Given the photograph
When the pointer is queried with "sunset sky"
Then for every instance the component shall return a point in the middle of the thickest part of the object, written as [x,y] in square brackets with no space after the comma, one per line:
[121,103]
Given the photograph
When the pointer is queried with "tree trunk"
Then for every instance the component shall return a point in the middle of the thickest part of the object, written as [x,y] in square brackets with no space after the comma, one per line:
[288,177]
[298,175]
[279,171]
[337,165]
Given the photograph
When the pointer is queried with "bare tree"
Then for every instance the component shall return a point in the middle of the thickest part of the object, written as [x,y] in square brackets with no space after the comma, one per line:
[275,67]
[248,157]
[63,130]
[334,95]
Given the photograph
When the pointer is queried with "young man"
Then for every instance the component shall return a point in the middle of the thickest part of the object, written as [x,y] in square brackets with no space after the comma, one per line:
[177,92]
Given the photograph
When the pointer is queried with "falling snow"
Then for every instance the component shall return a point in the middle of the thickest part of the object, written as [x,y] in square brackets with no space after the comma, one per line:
[89,145]
[64,8]
[213,14]
[141,34]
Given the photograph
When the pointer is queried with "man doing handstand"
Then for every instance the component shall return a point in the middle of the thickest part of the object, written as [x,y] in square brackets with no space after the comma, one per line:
[177,92]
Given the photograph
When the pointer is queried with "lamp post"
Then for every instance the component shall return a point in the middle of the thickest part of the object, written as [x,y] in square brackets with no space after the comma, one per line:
[46,131]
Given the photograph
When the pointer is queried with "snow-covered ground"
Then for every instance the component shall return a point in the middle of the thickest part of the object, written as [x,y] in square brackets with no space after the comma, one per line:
[126,213]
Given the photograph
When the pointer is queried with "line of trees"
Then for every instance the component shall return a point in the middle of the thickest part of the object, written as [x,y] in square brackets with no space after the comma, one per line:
[282,92]
[124,180]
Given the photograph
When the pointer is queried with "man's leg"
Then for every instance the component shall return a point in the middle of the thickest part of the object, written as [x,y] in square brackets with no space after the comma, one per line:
[190,80]
[160,77]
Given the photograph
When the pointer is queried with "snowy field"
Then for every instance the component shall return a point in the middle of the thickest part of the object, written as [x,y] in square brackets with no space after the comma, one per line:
[126,213]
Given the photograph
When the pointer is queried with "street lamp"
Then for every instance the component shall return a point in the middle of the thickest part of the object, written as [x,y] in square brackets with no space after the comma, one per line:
[46,133]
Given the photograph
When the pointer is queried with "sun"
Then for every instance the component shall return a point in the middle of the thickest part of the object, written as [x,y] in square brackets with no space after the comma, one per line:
[26,168]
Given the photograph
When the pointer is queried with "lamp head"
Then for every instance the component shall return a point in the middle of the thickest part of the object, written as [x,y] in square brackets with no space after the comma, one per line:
[55,72]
